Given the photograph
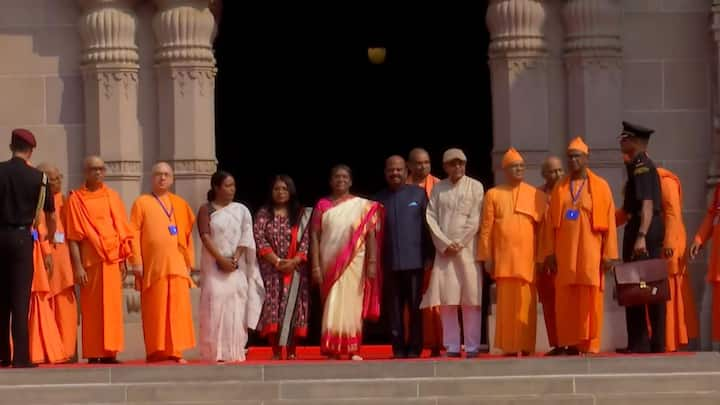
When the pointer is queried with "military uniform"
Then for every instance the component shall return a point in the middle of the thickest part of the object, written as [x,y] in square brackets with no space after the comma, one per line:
[20,188]
[643,184]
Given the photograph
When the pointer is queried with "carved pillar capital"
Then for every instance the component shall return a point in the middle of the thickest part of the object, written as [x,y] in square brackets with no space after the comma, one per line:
[107,33]
[516,28]
[593,26]
[185,30]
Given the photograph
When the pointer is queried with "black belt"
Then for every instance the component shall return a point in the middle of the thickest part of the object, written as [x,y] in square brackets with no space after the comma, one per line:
[14,228]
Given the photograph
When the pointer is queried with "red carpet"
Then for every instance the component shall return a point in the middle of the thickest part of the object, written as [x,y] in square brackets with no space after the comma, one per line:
[311,354]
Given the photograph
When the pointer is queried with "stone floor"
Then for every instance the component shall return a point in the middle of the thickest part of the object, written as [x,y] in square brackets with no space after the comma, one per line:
[686,379]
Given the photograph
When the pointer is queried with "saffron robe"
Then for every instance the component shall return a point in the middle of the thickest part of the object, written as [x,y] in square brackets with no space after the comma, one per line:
[166,260]
[580,245]
[97,221]
[676,329]
[62,283]
[46,346]
[710,230]
[545,282]
[508,239]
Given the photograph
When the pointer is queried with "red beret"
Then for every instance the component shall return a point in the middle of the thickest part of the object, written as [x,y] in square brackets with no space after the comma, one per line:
[25,136]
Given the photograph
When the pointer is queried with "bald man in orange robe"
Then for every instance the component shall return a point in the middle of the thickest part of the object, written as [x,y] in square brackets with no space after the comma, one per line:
[507,246]
[62,285]
[162,260]
[552,172]
[419,174]
[710,230]
[99,237]
[46,345]
[581,246]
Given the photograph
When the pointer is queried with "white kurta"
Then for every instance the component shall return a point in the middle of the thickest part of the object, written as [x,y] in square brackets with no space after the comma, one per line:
[453,215]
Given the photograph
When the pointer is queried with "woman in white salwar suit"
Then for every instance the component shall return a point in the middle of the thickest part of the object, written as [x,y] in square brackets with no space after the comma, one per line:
[232,294]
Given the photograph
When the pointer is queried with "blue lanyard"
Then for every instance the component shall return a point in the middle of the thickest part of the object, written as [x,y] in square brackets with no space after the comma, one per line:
[165,210]
[573,195]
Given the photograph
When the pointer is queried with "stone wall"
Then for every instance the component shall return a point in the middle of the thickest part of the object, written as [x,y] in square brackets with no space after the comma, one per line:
[40,81]
[667,85]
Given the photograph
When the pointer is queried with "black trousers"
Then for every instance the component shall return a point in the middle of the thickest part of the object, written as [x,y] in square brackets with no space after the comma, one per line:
[406,291]
[16,274]
[635,316]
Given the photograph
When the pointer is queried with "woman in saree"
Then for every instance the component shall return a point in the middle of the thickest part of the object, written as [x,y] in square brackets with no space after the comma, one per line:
[345,243]
[232,289]
[282,241]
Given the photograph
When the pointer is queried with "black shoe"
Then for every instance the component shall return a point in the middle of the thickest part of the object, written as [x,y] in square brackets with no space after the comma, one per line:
[556,351]
[400,355]
[435,352]
[472,355]
[5,363]
[24,365]
[109,360]
[94,360]
[572,351]
[452,355]
[413,355]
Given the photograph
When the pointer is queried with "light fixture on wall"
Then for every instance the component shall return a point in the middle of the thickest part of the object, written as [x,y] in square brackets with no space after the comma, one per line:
[376,55]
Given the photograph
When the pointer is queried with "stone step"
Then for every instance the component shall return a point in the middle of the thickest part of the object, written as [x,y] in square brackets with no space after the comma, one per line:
[657,380]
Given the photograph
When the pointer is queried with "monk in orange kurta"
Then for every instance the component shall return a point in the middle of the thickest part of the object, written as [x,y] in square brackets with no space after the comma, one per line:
[581,245]
[62,285]
[162,260]
[46,346]
[507,246]
[419,174]
[710,230]
[680,314]
[99,236]
[552,172]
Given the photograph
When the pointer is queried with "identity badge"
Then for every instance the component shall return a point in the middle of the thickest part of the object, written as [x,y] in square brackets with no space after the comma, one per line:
[35,235]
[59,237]
[572,214]
[172,229]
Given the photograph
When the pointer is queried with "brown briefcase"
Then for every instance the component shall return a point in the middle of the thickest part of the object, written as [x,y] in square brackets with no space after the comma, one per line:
[642,282]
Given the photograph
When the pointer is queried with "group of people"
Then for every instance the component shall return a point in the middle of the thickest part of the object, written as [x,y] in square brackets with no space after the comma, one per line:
[422,242]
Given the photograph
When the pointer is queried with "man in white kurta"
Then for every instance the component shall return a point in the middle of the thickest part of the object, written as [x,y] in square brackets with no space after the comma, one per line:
[453,216]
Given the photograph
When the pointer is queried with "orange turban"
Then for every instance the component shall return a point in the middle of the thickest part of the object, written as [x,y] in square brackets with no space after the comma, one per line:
[579,145]
[511,156]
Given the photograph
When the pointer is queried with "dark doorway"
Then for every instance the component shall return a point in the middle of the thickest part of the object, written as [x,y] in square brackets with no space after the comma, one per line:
[296,94]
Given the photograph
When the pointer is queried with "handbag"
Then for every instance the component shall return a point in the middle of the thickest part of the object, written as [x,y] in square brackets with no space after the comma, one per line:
[642,282]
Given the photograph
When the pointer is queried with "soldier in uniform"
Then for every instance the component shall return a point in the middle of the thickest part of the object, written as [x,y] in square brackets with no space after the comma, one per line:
[644,235]
[22,191]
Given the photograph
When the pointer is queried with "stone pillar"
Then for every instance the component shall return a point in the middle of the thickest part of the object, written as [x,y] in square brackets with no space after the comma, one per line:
[593,61]
[593,51]
[714,174]
[184,32]
[518,58]
[110,75]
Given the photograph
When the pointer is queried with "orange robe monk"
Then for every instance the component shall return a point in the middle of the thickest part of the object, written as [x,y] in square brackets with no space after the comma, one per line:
[710,230]
[545,281]
[163,248]
[508,229]
[677,333]
[97,221]
[432,327]
[583,236]
[62,285]
[46,346]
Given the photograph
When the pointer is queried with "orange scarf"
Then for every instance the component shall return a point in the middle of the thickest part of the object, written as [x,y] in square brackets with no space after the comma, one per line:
[601,201]
[529,203]
[667,174]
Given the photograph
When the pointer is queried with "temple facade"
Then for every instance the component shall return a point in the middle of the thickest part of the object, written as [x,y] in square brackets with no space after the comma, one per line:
[133,81]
